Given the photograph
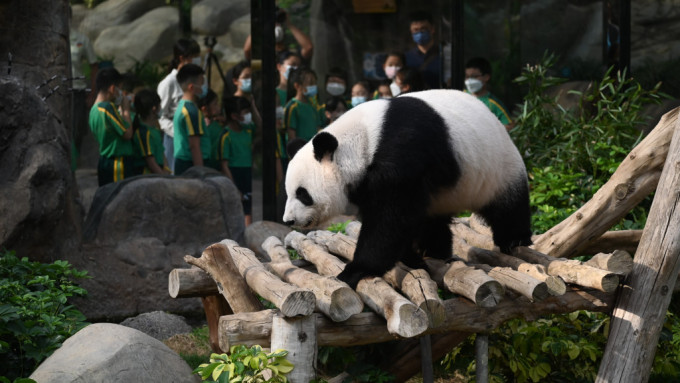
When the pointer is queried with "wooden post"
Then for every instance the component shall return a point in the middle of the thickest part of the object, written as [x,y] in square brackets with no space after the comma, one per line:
[215,307]
[298,337]
[482,356]
[641,306]
[636,177]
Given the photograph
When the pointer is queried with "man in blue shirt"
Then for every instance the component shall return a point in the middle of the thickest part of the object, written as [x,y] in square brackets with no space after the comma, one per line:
[425,56]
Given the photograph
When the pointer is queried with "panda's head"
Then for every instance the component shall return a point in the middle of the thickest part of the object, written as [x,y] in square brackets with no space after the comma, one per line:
[314,184]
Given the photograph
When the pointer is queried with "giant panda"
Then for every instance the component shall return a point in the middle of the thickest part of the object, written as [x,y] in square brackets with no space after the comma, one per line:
[409,164]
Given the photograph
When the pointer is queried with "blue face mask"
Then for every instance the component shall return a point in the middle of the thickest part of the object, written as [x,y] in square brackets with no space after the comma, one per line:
[246,84]
[422,37]
[356,100]
[204,90]
[310,91]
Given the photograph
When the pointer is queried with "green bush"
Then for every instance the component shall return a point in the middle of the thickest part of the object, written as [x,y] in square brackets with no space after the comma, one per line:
[35,317]
[244,364]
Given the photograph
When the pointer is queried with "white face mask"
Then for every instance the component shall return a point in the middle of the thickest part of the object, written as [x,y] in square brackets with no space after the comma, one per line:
[394,88]
[473,85]
[335,88]
[247,119]
[119,97]
[196,60]
[279,113]
[278,33]
[391,71]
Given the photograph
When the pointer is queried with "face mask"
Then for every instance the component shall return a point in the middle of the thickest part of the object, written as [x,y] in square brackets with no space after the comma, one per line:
[422,37]
[335,88]
[119,97]
[391,71]
[278,33]
[385,97]
[394,88]
[356,100]
[246,84]
[204,90]
[196,60]
[473,85]
[158,114]
[247,119]
[287,72]
[279,113]
[310,91]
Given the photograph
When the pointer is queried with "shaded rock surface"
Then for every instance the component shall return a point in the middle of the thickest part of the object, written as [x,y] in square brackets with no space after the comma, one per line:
[158,324]
[213,17]
[115,12]
[106,352]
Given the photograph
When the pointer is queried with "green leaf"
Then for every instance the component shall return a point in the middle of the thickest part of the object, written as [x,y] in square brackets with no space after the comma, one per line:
[218,371]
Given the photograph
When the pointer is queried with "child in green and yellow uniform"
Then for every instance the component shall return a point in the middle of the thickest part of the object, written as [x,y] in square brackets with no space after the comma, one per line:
[236,152]
[477,77]
[192,144]
[214,124]
[301,117]
[148,137]
[112,129]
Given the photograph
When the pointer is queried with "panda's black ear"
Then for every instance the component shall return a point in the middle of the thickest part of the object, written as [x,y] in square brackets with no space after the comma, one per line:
[324,143]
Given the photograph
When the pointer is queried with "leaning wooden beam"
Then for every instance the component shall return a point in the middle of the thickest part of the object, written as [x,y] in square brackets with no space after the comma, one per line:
[290,299]
[193,282]
[333,298]
[368,327]
[641,307]
[309,250]
[626,240]
[420,289]
[217,262]
[461,279]
[403,317]
[619,262]
[555,284]
[571,270]
[636,177]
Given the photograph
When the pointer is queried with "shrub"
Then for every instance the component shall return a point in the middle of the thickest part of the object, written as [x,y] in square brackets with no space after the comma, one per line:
[244,364]
[35,317]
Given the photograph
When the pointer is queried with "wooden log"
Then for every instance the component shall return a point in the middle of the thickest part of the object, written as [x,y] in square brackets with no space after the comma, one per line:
[554,284]
[325,263]
[626,240]
[193,282]
[333,297]
[641,307]
[478,224]
[290,299]
[619,262]
[571,270]
[298,337]
[215,307]
[420,289]
[352,229]
[470,236]
[336,243]
[521,283]
[403,317]
[368,327]
[474,284]
[217,262]
[635,178]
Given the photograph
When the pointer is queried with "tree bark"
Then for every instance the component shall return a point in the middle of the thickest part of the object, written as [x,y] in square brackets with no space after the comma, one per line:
[619,262]
[635,178]
[641,307]
[193,282]
[217,262]
[333,298]
[298,337]
[290,299]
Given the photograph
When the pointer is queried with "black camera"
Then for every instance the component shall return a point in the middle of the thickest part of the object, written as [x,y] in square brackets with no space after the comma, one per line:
[210,41]
[281,16]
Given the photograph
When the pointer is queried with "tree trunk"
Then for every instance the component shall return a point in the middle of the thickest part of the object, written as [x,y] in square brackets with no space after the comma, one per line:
[298,337]
[635,178]
[641,307]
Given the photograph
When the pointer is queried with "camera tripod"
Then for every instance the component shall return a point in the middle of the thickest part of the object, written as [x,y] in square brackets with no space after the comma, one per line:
[210,42]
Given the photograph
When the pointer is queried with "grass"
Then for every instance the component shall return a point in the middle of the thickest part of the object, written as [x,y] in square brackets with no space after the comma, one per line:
[194,347]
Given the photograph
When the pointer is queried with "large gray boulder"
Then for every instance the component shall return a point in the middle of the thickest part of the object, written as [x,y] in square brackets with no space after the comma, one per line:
[112,353]
[139,229]
[213,17]
[116,12]
[147,38]
[158,324]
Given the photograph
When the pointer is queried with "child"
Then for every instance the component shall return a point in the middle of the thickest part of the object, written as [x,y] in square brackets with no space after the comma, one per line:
[243,79]
[185,51]
[383,91]
[301,115]
[335,107]
[192,144]
[393,62]
[287,62]
[148,137]
[360,93]
[214,120]
[236,153]
[112,129]
[407,80]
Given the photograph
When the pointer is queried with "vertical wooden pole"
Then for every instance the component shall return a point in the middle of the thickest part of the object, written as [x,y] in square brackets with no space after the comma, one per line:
[215,306]
[482,356]
[426,359]
[298,337]
[641,306]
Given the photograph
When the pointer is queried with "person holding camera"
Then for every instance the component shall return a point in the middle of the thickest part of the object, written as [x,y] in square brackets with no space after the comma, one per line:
[302,44]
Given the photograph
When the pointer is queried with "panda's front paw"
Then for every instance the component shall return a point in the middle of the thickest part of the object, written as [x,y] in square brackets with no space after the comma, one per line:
[352,276]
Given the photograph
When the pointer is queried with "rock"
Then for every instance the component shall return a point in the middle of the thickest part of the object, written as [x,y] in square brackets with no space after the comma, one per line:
[147,38]
[116,12]
[112,353]
[261,230]
[158,324]
[139,229]
[40,218]
[213,17]
[238,32]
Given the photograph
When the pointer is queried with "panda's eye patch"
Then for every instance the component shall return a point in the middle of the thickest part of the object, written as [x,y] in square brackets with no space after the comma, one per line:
[303,195]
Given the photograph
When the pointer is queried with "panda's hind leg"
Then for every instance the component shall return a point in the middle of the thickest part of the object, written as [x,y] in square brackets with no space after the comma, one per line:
[509,217]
